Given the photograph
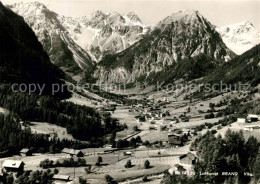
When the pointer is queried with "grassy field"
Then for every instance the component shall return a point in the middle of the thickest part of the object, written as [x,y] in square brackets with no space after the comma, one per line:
[240,126]
[124,116]
[47,128]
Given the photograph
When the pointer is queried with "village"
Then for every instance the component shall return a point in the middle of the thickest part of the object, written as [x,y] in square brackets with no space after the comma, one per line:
[159,133]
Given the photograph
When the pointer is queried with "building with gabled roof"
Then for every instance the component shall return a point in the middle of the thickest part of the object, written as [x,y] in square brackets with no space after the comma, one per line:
[174,139]
[58,178]
[252,118]
[13,166]
[25,152]
[73,152]
[188,158]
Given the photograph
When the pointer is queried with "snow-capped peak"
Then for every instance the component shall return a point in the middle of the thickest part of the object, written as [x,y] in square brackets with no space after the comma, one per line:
[240,37]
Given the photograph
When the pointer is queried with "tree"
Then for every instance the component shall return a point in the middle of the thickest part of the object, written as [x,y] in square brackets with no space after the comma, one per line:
[128,164]
[136,128]
[108,178]
[82,180]
[99,160]
[56,171]
[138,139]
[147,164]
[211,105]
[132,143]
[88,169]
[209,116]
[145,179]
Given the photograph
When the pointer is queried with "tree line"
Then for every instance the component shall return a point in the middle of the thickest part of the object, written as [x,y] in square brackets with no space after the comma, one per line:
[84,123]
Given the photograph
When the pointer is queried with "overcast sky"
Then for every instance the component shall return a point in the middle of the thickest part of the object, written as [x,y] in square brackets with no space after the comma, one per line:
[218,12]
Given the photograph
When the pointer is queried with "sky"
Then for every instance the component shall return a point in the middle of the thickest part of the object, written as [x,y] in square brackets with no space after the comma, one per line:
[218,12]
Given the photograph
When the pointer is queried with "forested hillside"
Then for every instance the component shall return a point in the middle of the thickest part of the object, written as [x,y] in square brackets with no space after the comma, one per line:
[22,58]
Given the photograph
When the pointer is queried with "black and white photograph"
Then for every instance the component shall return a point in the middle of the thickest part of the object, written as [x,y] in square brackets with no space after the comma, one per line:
[129,92]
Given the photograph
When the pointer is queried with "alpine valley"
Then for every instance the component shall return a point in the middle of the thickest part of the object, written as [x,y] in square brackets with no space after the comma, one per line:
[62,120]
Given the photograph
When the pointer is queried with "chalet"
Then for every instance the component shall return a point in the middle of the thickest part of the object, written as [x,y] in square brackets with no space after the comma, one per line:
[252,118]
[73,152]
[13,166]
[188,158]
[61,178]
[25,152]
[174,139]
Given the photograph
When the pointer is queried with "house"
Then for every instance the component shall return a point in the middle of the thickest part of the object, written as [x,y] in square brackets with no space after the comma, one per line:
[174,139]
[61,178]
[252,118]
[241,120]
[188,158]
[152,127]
[25,152]
[140,119]
[13,166]
[73,152]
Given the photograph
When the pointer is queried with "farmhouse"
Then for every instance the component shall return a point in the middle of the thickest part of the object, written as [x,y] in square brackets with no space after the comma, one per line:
[174,139]
[25,152]
[73,152]
[13,166]
[252,118]
[61,178]
[188,158]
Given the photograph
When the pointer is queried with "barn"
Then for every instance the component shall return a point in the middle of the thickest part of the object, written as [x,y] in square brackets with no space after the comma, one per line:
[73,152]
[25,152]
[188,158]
[174,139]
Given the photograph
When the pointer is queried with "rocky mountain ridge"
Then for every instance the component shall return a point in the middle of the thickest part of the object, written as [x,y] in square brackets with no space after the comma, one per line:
[182,35]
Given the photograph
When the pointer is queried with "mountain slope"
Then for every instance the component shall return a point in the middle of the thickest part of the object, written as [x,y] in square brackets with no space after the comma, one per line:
[22,58]
[240,37]
[244,68]
[180,36]
[62,50]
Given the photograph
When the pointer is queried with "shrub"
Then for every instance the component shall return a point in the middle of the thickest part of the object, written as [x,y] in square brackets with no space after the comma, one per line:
[145,179]
[209,116]
[128,164]
[108,178]
[147,164]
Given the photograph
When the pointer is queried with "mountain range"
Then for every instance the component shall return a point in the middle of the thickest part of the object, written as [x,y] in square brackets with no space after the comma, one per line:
[182,35]
[76,44]
[115,48]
